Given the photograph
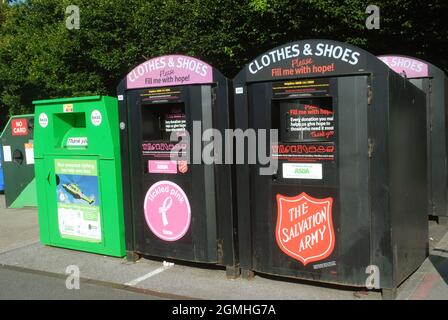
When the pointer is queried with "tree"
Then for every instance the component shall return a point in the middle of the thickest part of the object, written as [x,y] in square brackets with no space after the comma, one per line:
[41,58]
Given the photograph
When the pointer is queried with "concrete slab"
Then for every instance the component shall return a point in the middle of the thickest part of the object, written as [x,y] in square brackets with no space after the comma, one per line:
[430,282]
[18,227]
[211,284]
[186,281]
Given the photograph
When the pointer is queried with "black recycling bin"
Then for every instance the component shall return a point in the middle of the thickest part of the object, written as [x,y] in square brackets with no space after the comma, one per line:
[348,198]
[433,82]
[182,208]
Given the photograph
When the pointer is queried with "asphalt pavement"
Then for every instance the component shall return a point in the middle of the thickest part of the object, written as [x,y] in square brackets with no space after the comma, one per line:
[27,285]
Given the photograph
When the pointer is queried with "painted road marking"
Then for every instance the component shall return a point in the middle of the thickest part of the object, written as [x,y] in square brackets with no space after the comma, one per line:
[148,275]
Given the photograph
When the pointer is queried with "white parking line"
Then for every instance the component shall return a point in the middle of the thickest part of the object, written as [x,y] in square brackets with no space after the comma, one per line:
[148,275]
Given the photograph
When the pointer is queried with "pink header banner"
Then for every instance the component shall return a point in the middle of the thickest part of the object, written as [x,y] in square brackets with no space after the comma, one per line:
[412,68]
[169,70]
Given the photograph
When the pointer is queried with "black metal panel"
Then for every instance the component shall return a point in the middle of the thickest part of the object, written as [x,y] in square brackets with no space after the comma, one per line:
[242,177]
[432,81]
[224,177]
[355,233]
[436,196]
[192,246]
[381,238]
[348,188]
[437,112]
[127,188]
[267,256]
[407,180]
[202,181]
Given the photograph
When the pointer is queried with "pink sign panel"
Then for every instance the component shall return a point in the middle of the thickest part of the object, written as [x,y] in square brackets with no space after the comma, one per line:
[412,68]
[162,166]
[169,71]
[167,210]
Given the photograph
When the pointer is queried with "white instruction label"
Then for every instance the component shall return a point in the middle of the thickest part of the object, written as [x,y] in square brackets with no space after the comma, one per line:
[29,153]
[7,156]
[79,224]
[302,171]
[77,142]
[239,90]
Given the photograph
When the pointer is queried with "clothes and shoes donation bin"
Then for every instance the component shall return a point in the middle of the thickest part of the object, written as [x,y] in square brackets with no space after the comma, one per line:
[78,170]
[18,162]
[347,202]
[181,208]
[433,82]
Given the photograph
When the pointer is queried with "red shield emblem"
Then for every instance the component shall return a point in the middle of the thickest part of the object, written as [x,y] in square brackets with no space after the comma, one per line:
[305,227]
[183,166]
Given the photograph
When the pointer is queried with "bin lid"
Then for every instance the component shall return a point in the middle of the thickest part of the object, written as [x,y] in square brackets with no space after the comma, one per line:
[170,70]
[310,59]
[411,67]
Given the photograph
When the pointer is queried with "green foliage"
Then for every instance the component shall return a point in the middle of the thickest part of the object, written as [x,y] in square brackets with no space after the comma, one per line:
[259,5]
[41,58]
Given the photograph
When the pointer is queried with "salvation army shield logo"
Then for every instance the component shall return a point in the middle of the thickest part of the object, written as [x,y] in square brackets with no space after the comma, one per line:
[305,227]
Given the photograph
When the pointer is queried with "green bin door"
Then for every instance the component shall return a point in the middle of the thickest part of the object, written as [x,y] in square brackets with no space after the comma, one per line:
[75,214]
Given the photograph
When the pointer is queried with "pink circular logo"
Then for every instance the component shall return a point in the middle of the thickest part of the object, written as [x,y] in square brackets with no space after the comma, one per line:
[167,210]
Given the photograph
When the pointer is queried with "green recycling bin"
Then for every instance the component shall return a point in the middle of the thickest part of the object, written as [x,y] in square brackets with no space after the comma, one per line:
[78,174]
[18,162]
